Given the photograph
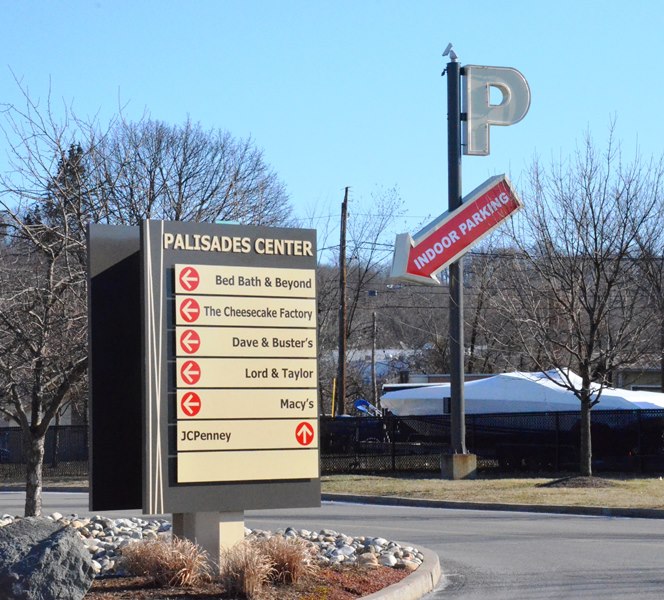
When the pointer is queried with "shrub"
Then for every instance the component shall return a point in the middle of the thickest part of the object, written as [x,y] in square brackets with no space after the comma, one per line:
[169,563]
[245,569]
[292,558]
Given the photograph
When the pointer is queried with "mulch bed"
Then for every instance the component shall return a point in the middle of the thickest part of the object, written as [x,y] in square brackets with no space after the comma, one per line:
[346,583]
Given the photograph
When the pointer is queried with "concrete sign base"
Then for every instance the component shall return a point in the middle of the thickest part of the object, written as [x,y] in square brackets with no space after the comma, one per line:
[212,531]
[458,466]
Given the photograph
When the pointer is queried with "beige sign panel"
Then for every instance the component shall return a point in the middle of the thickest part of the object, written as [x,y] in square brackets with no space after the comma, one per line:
[246,435]
[219,280]
[223,311]
[250,342]
[246,373]
[202,467]
[246,404]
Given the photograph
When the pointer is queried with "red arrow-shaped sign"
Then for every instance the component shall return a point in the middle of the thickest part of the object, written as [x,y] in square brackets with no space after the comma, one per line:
[190,341]
[189,279]
[451,235]
[304,433]
[189,310]
[191,404]
[190,372]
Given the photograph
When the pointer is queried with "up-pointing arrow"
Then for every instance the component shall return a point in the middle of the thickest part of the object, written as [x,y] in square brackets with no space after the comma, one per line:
[304,434]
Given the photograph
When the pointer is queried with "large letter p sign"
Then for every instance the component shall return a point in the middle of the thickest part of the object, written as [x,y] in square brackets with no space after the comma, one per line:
[480,113]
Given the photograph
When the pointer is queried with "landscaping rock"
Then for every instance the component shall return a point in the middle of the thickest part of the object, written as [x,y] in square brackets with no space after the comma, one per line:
[105,538]
[42,560]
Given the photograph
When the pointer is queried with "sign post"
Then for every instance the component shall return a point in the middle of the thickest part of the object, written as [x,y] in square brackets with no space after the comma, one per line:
[443,242]
[457,409]
[219,392]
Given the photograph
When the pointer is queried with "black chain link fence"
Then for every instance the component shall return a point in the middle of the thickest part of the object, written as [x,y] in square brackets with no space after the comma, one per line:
[66,453]
[623,441]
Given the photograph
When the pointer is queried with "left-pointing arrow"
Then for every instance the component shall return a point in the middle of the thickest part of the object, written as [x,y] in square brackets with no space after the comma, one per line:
[189,310]
[189,278]
[190,372]
[191,404]
[190,341]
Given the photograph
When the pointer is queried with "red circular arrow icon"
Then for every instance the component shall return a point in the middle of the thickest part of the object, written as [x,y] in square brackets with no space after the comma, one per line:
[190,372]
[304,433]
[190,341]
[191,404]
[189,310]
[189,279]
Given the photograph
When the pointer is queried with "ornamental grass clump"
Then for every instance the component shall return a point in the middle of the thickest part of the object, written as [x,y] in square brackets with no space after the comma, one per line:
[169,563]
[245,570]
[292,558]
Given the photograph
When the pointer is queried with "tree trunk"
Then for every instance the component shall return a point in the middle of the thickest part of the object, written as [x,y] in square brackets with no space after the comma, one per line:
[34,459]
[585,449]
[55,447]
[661,356]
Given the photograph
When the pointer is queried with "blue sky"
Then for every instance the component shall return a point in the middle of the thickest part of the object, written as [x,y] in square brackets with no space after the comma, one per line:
[348,93]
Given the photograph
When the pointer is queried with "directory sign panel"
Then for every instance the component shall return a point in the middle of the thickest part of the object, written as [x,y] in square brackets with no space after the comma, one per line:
[231,399]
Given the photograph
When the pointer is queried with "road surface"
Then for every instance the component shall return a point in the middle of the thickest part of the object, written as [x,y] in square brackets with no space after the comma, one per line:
[484,554]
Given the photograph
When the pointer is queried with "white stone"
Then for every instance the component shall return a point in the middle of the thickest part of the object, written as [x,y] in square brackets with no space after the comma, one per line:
[387,560]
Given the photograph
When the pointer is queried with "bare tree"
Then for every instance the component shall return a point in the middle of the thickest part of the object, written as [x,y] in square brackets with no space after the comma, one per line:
[151,170]
[42,280]
[573,287]
[369,247]
[64,174]
[650,261]
[43,332]
[418,319]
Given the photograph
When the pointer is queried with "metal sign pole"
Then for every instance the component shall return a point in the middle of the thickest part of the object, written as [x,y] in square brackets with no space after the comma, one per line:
[457,409]
[440,243]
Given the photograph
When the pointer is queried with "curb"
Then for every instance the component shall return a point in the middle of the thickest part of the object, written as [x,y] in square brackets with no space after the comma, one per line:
[593,511]
[54,488]
[417,584]
[598,511]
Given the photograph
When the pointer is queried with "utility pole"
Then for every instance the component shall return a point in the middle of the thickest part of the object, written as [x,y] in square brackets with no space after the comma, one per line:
[374,383]
[341,369]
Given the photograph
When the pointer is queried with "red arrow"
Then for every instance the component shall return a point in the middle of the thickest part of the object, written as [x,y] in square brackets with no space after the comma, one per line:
[189,279]
[189,310]
[191,404]
[304,433]
[451,235]
[190,341]
[190,372]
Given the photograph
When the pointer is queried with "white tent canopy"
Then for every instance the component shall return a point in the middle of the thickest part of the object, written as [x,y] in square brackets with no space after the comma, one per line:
[514,393]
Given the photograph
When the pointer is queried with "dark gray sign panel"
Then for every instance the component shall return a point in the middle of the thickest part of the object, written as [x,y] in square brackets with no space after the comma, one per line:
[230,386]
[115,367]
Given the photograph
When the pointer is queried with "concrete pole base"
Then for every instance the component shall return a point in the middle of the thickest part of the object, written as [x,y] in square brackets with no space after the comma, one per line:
[212,531]
[458,466]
